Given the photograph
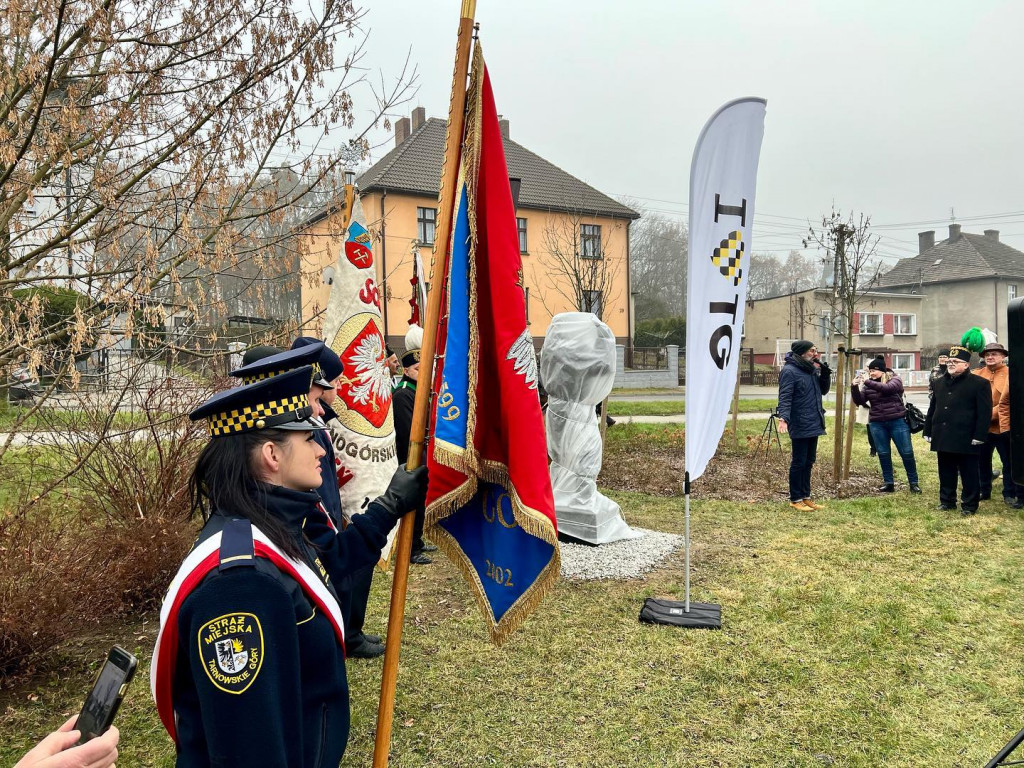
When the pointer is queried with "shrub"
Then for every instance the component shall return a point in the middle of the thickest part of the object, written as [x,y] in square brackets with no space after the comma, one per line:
[101,527]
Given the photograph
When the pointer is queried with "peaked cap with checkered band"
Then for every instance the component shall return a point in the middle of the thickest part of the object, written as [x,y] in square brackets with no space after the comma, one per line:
[270,361]
[278,402]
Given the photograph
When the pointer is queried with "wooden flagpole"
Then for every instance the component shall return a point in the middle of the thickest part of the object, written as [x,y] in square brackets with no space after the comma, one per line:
[438,277]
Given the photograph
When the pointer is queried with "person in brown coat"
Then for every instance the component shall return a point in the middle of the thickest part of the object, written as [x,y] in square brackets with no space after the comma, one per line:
[997,374]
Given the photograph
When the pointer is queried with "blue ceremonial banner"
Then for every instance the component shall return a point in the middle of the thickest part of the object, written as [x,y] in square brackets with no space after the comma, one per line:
[489,502]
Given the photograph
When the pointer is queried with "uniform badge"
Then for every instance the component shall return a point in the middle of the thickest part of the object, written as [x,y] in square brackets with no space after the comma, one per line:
[231,649]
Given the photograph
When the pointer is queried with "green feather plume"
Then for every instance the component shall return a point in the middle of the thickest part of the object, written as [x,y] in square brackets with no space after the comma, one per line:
[973,340]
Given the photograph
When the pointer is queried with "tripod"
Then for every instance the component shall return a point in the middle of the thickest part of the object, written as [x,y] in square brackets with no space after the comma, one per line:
[1000,758]
[771,429]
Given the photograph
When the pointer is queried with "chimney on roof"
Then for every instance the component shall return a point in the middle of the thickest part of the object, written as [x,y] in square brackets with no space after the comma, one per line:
[419,117]
[402,130]
[503,126]
[993,233]
[954,231]
[925,240]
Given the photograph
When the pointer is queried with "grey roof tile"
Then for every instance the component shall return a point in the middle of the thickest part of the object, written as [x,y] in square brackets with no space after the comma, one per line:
[415,166]
[963,258]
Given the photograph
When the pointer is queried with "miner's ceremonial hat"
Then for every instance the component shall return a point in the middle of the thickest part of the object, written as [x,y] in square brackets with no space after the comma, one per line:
[267,362]
[277,402]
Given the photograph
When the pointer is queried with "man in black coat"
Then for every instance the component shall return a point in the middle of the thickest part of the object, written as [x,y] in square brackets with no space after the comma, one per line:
[403,401]
[956,427]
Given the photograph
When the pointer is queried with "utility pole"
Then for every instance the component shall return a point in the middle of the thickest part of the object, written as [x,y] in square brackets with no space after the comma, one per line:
[841,233]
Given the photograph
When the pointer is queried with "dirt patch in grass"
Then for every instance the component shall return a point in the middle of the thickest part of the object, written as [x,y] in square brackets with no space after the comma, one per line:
[636,463]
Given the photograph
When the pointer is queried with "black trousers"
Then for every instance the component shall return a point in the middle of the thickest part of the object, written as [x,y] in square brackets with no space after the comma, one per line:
[998,444]
[966,466]
[355,606]
[805,452]
[417,531]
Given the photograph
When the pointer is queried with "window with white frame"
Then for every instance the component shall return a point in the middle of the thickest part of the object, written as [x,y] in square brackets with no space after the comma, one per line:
[1011,291]
[903,362]
[870,324]
[426,221]
[590,241]
[904,325]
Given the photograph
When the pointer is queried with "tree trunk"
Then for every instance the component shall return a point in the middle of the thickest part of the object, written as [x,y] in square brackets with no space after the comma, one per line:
[837,455]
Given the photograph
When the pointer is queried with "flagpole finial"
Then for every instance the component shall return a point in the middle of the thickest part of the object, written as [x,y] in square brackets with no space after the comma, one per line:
[468,9]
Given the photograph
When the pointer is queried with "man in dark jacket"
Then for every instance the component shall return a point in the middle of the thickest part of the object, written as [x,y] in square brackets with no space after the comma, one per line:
[956,427]
[802,382]
[403,402]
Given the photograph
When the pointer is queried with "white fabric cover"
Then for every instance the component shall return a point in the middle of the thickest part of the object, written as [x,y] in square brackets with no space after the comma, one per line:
[577,372]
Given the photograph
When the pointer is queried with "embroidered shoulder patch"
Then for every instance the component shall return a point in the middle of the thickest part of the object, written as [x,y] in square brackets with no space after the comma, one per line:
[231,649]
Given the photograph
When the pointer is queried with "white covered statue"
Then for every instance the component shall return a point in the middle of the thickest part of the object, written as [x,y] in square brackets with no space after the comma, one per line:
[577,371]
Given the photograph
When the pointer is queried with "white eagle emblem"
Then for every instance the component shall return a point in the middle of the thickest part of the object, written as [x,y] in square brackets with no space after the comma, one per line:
[524,358]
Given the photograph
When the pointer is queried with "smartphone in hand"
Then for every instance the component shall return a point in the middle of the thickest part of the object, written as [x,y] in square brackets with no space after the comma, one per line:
[106,695]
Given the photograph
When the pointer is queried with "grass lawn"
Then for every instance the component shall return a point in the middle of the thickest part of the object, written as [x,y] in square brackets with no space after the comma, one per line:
[673,407]
[877,631]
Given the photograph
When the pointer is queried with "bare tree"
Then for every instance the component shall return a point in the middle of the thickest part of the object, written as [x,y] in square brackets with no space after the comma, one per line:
[582,268]
[658,247]
[850,248]
[140,161]
[771,276]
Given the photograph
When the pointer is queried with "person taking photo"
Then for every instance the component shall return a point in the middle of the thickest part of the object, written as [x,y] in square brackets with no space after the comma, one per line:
[804,379]
[882,391]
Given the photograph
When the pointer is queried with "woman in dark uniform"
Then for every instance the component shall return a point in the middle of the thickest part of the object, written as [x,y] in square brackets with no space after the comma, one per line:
[249,666]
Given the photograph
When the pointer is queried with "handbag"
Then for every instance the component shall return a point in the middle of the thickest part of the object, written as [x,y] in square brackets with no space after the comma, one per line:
[914,417]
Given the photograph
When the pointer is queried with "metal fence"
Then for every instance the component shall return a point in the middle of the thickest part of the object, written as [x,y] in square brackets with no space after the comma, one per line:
[647,358]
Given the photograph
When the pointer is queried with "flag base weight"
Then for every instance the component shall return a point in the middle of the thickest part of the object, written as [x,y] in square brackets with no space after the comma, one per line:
[674,613]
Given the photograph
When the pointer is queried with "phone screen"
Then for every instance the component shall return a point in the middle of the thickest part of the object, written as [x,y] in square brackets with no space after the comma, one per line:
[106,694]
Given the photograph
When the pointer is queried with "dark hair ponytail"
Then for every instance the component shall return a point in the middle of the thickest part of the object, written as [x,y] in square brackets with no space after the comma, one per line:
[225,479]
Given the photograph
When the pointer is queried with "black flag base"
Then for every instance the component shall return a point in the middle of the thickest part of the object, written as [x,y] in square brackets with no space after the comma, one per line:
[1000,758]
[674,613]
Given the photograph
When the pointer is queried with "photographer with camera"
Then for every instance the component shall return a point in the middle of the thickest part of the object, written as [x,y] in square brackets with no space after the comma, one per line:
[882,391]
[804,379]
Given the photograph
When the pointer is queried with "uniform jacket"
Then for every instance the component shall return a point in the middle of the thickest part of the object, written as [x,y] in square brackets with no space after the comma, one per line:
[403,400]
[800,390]
[884,399]
[289,704]
[999,381]
[959,412]
[329,492]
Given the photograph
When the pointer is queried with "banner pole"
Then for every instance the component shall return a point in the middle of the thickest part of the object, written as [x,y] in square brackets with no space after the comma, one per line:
[438,277]
[686,538]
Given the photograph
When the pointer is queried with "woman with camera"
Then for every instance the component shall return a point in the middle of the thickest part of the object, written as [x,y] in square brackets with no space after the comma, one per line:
[249,664]
[882,391]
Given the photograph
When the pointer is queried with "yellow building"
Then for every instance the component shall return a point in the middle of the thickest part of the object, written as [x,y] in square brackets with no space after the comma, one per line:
[574,240]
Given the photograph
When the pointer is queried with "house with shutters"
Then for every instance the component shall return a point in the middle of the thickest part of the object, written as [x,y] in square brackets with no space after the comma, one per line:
[965,280]
[885,324]
[560,220]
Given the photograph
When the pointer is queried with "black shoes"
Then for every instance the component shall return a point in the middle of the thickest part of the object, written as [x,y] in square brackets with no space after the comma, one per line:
[429,548]
[362,648]
[915,488]
[968,512]
[418,558]
[946,507]
[985,497]
[1014,503]
[887,488]
[376,639]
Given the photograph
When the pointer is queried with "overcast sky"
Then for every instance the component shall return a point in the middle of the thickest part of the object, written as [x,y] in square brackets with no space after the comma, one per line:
[902,110]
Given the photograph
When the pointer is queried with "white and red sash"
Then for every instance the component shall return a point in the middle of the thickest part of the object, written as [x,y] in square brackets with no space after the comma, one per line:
[200,562]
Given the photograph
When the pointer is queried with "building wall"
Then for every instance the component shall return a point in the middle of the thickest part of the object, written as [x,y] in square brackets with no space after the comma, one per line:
[396,235]
[799,316]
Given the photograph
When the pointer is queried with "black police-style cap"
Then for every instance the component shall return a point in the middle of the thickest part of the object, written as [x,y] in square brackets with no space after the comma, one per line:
[330,363]
[277,402]
[274,364]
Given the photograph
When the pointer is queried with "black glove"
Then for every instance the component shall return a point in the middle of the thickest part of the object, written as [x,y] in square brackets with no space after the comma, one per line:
[823,365]
[406,491]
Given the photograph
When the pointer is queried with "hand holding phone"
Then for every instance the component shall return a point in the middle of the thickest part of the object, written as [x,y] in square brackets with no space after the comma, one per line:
[61,750]
[107,693]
